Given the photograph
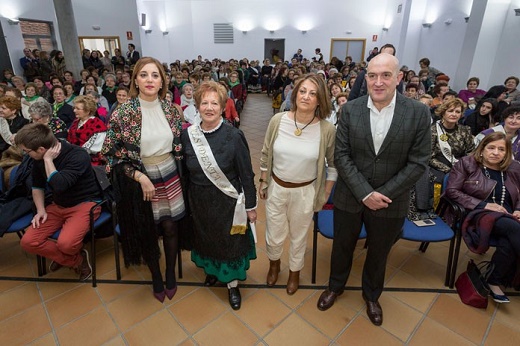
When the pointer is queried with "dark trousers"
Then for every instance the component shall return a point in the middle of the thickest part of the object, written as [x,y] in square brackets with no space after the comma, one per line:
[381,235]
[507,232]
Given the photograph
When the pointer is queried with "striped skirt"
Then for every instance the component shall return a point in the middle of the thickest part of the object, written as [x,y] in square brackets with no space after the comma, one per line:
[168,202]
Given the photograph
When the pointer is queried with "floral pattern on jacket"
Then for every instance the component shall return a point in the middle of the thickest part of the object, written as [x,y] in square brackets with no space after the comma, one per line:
[123,139]
[461,143]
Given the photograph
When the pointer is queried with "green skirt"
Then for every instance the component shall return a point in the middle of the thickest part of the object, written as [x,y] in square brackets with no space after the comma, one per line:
[227,271]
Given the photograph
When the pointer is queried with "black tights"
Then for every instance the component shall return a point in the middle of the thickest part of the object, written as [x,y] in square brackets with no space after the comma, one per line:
[171,246]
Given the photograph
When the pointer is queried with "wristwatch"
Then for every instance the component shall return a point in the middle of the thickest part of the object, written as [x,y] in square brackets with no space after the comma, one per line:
[262,180]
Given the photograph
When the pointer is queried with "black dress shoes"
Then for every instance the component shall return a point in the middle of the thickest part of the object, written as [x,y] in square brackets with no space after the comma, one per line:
[235,300]
[327,299]
[374,312]
[210,280]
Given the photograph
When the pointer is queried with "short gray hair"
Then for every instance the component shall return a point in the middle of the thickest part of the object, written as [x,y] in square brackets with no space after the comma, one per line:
[111,75]
[41,108]
[93,93]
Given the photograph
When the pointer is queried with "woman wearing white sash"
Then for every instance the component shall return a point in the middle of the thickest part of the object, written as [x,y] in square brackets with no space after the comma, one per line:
[221,193]
[450,140]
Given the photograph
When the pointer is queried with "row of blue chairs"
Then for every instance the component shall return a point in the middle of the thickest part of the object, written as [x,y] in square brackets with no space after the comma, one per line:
[447,227]
[106,218]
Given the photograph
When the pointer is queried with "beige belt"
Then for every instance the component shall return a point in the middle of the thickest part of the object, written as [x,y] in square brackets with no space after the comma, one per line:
[153,160]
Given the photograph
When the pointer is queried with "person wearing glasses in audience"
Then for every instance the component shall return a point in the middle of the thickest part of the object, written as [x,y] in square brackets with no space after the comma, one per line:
[297,174]
[88,130]
[486,184]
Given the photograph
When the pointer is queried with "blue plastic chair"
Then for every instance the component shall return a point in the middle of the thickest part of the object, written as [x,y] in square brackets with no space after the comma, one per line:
[440,231]
[324,225]
[20,225]
[104,217]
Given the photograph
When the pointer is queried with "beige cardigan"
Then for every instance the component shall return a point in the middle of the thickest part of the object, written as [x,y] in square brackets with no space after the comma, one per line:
[327,140]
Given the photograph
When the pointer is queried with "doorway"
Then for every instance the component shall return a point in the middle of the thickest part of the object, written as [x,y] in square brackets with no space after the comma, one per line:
[343,47]
[100,43]
[274,49]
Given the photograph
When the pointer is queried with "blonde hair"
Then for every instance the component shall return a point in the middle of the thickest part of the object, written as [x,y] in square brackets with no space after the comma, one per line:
[87,102]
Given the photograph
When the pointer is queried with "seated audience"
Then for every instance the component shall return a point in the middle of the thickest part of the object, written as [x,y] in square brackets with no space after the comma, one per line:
[68,87]
[109,89]
[101,103]
[450,140]
[510,126]
[512,93]
[122,95]
[498,92]
[64,169]
[60,108]
[43,90]
[41,112]
[230,113]
[494,205]
[188,103]
[88,130]
[483,117]
[10,108]
[412,91]
[439,90]
[472,94]
[31,96]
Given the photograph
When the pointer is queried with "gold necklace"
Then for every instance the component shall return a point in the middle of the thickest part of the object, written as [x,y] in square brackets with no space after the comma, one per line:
[298,131]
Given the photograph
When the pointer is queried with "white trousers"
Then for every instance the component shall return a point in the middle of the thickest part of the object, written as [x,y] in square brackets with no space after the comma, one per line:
[289,213]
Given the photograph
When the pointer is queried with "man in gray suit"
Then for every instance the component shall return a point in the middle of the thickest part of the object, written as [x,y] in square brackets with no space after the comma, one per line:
[382,148]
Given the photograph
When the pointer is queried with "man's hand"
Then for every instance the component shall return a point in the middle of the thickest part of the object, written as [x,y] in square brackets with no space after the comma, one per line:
[377,201]
[52,152]
[39,218]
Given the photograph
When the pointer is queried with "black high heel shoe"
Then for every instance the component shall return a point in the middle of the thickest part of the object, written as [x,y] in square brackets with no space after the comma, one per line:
[211,280]
[235,300]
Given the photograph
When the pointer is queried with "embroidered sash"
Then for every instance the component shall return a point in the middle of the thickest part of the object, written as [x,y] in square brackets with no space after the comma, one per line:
[444,145]
[218,178]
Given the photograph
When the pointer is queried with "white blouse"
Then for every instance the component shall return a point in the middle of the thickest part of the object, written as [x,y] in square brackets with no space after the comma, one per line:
[156,134]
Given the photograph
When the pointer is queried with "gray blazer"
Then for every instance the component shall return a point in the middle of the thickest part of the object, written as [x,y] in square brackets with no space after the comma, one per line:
[402,159]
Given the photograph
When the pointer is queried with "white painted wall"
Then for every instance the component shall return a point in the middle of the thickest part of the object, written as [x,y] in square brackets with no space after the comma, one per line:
[507,59]
[28,9]
[114,17]
[190,24]
[190,27]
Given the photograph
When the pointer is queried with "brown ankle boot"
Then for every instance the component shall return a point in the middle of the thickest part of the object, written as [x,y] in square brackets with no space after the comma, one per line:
[272,275]
[293,282]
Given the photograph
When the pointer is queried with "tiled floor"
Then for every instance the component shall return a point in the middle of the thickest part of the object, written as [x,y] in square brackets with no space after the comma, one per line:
[55,313]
